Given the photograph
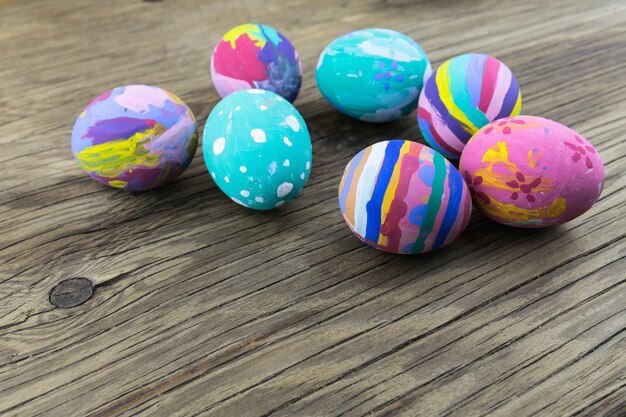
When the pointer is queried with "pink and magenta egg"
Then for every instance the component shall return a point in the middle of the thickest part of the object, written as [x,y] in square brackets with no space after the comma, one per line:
[528,171]
[256,56]
[403,197]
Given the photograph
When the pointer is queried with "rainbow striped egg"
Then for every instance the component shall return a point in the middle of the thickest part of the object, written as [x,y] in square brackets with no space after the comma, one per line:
[464,94]
[403,197]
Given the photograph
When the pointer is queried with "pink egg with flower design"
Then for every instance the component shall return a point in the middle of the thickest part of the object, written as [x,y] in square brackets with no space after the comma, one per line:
[528,171]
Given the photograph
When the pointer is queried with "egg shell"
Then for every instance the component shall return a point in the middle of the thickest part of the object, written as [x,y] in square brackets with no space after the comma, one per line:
[403,197]
[257,148]
[528,171]
[256,56]
[373,75]
[135,137]
[464,94]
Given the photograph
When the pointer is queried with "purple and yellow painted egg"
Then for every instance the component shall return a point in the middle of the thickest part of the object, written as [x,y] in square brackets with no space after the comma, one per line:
[256,56]
[135,137]
[529,171]
[403,197]
[464,94]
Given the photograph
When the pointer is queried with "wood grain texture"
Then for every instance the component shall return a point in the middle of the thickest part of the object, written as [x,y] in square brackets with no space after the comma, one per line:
[201,307]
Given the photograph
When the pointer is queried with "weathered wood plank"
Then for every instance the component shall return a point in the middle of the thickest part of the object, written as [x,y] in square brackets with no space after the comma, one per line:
[203,307]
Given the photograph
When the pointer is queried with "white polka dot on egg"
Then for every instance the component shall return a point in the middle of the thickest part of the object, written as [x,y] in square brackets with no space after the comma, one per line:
[219,145]
[258,135]
[293,123]
[284,189]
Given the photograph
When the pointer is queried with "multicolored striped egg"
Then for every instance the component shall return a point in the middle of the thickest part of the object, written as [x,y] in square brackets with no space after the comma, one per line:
[374,75]
[256,56]
[135,137]
[403,197]
[464,94]
[529,171]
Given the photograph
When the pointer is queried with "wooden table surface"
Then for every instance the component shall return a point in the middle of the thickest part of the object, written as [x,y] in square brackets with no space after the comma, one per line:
[200,306]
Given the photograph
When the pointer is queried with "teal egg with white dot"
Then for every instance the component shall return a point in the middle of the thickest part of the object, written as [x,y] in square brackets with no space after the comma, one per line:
[374,75]
[257,148]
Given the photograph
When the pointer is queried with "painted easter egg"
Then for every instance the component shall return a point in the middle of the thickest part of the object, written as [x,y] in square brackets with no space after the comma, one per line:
[403,197]
[257,149]
[528,171]
[464,94]
[256,56]
[374,75]
[135,137]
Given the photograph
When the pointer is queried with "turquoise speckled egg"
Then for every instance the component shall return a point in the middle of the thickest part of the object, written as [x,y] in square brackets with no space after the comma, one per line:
[257,148]
[374,75]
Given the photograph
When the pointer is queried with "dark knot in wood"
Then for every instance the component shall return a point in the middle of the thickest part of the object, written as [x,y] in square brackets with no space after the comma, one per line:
[71,292]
